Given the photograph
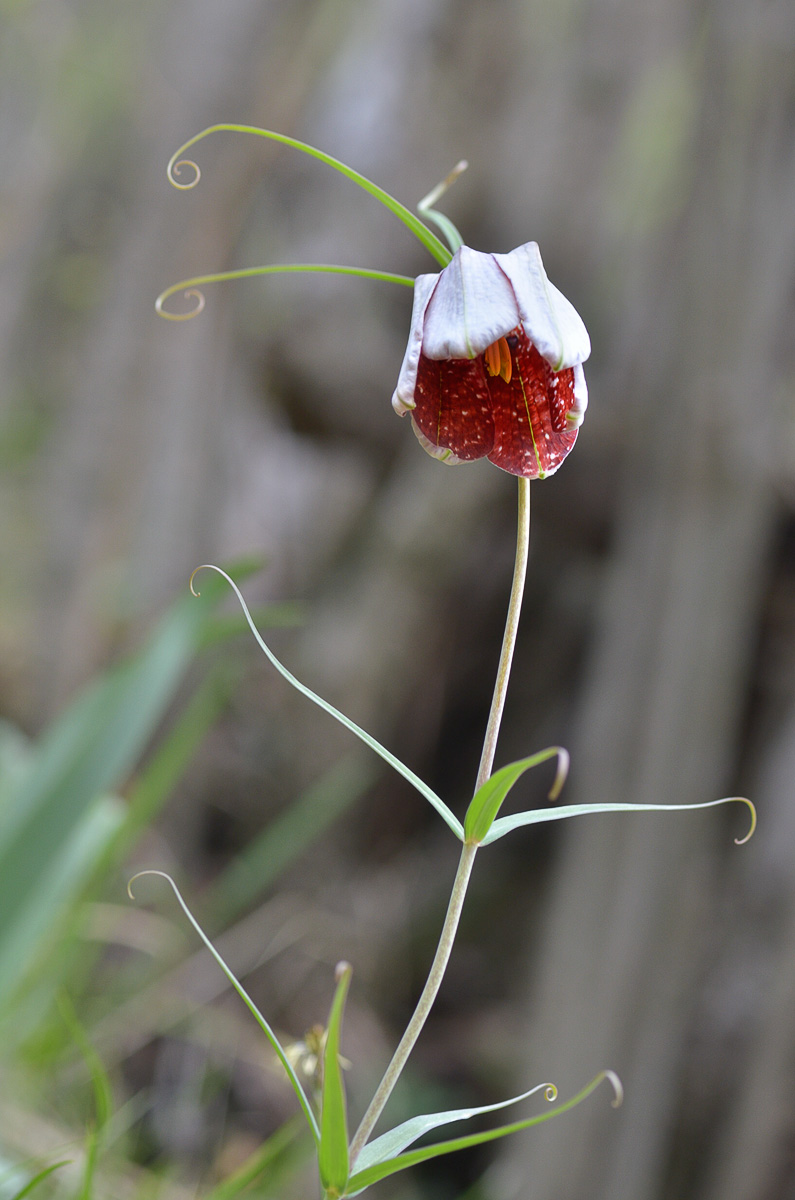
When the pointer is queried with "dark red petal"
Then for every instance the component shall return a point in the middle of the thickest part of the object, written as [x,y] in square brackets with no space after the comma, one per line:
[531,437]
[453,408]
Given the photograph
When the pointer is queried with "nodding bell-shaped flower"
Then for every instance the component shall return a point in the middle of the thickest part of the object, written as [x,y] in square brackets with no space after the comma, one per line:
[493,364]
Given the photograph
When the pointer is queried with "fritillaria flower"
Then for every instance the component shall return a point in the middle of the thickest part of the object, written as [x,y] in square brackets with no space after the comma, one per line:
[493,364]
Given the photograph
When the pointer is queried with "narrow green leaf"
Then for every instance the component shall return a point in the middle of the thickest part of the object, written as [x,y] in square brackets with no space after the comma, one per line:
[390,1144]
[420,231]
[430,795]
[286,837]
[538,815]
[38,1178]
[333,1160]
[190,287]
[266,1167]
[88,752]
[362,1179]
[86,1189]
[29,934]
[100,1083]
[244,996]
[488,799]
[156,782]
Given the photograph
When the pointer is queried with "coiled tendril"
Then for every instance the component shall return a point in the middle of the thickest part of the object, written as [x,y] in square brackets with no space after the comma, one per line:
[190,293]
[175,168]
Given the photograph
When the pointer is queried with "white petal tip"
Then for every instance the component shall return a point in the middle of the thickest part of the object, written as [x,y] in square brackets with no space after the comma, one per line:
[401,406]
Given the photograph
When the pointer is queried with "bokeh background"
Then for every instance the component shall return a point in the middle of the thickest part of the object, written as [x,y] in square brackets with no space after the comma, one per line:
[649,147]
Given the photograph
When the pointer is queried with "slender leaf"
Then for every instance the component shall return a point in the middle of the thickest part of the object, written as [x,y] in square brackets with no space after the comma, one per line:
[488,799]
[390,1144]
[100,1083]
[86,1189]
[537,815]
[156,782]
[362,1179]
[429,794]
[420,231]
[333,1161]
[190,287]
[87,753]
[244,996]
[285,838]
[39,1178]
[28,934]
[283,1149]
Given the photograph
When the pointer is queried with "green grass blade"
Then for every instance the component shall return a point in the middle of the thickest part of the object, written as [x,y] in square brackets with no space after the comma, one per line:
[362,1179]
[430,795]
[286,838]
[489,798]
[244,996]
[420,231]
[86,1189]
[390,1144]
[100,1083]
[333,1160]
[538,815]
[54,827]
[283,1151]
[30,936]
[39,1178]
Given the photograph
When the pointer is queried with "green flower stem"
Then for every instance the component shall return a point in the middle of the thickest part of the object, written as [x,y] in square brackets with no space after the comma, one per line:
[424,1004]
[509,637]
[469,850]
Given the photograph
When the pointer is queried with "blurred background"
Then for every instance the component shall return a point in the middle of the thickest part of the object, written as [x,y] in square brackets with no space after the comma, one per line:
[649,147]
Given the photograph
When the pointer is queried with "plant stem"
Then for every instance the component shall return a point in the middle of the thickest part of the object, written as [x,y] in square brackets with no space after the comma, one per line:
[509,637]
[447,937]
[424,1004]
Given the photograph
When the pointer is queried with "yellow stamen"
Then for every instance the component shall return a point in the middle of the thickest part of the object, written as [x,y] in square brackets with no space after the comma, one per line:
[498,359]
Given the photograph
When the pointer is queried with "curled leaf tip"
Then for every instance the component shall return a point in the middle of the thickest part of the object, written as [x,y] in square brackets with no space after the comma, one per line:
[175,168]
[189,294]
[195,572]
[437,192]
[148,871]
[550,1092]
[562,773]
[618,1088]
[744,800]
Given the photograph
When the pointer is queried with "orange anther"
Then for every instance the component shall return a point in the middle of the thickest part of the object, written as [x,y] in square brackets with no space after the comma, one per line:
[498,359]
[492,357]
